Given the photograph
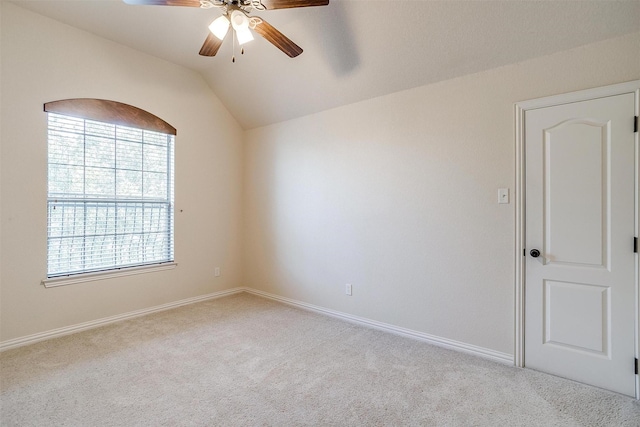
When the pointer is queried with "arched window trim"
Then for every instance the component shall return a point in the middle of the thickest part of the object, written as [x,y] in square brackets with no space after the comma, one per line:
[110,111]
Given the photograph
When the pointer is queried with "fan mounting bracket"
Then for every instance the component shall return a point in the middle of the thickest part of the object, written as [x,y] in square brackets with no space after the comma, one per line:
[243,5]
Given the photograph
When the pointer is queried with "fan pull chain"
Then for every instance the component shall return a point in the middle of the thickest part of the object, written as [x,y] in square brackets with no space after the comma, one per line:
[233,52]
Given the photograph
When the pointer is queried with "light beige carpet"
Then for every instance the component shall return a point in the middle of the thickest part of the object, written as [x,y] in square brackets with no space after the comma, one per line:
[246,361]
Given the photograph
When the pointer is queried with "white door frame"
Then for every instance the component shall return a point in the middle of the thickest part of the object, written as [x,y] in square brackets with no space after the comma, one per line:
[520,109]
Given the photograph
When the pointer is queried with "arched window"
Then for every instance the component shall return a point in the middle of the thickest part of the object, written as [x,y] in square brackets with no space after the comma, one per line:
[110,190]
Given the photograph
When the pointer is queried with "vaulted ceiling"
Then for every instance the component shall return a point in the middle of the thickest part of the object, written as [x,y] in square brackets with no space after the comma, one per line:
[353,49]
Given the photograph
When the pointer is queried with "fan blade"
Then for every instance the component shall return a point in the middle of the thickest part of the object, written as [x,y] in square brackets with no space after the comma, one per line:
[287,4]
[189,3]
[210,46]
[277,39]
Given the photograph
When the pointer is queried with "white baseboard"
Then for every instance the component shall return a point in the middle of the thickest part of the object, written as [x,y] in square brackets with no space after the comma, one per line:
[54,333]
[431,339]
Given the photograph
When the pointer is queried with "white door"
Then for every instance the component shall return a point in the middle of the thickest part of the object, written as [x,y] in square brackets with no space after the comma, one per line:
[579,239]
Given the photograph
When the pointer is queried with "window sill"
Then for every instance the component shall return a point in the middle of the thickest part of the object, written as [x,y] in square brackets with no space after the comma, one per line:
[100,275]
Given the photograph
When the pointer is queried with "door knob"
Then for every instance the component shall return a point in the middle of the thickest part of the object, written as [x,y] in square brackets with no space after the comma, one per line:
[534,253]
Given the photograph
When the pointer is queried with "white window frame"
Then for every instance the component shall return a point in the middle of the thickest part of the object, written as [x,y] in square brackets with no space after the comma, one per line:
[117,114]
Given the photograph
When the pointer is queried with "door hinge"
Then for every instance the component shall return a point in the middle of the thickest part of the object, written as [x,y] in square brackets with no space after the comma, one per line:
[635,124]
[636,366]
[524,251]
[635,245]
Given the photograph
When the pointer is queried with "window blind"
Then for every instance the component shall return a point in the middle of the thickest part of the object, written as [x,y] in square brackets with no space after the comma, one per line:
[110,196]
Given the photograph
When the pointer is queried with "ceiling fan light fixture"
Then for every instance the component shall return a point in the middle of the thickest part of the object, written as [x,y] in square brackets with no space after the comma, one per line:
[219,27]
[235,13]
[240,23]
[244,35]
[239,20]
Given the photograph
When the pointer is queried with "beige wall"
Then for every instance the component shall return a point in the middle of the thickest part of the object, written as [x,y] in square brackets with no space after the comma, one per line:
[398,196]
[43,60]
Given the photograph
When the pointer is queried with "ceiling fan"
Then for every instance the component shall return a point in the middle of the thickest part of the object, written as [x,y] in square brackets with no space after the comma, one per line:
[235,15]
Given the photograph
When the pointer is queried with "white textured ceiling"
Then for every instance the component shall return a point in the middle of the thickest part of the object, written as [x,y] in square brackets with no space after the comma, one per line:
[353,49]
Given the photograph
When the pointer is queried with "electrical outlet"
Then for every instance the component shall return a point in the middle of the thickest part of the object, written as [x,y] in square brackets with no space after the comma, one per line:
[216,272]
[503,195]
[347,289]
